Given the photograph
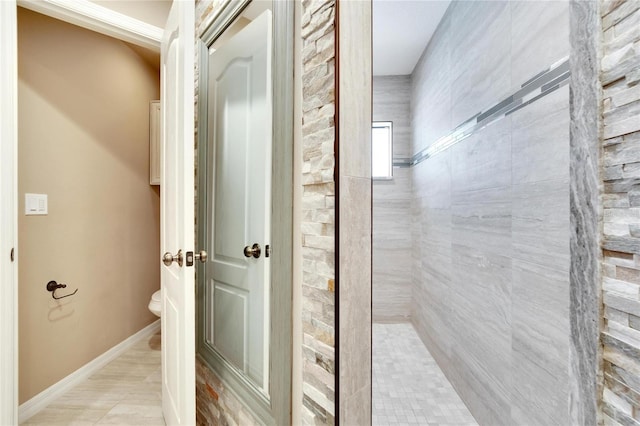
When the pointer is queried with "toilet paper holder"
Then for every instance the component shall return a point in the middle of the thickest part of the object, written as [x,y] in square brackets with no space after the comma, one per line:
[52,286]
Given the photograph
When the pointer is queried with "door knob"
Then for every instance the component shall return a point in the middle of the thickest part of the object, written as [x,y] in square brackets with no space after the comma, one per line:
[253,251]
[201,256]
[169,258]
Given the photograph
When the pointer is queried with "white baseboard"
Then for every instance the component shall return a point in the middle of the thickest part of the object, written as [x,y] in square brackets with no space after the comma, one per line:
[47,396]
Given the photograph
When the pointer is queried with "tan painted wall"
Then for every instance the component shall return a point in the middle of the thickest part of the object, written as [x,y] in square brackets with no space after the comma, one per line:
[83,140]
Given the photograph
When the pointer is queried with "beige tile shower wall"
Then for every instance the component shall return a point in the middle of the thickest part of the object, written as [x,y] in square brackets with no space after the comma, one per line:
[620,78]
[491,213]
[392,206]
[84,141]
[216,404]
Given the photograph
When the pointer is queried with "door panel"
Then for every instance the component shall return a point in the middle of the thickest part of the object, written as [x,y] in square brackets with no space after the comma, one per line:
[230,309]
[233,107]
[240,99]
[177,215]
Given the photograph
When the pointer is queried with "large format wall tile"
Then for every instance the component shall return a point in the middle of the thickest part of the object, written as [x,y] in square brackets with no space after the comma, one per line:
[490,214]
[391,102]
[425,176]
[539,133]
[431,90]
[482,219]
[541,223]
[392,240]
[540,37]
[483,160]
[540,345]
[480,41]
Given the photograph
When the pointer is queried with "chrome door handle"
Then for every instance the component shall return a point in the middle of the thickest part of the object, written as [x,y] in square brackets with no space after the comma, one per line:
[169,258]
[253,251]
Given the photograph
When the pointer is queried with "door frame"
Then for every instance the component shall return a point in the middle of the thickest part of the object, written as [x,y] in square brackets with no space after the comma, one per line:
[282,207]
[78,12]
[8,212]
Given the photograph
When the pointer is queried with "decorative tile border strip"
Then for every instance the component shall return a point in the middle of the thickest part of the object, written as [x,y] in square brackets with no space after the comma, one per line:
[543,83]
[403,162]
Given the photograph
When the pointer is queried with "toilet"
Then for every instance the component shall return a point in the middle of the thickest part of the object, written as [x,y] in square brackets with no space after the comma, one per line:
[154,303]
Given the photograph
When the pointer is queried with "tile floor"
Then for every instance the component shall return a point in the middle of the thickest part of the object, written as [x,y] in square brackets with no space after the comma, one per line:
[127,391]
[408,386]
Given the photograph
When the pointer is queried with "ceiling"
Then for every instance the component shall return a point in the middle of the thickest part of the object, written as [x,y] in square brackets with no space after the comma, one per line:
[401,31]
[401,28]
[152,12]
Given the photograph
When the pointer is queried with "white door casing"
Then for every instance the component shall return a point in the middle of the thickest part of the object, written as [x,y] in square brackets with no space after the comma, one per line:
[239,205]
[8,213]
[177,214]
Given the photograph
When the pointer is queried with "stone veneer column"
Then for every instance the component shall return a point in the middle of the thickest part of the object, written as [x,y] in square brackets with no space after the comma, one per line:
[620,79]
[318,211]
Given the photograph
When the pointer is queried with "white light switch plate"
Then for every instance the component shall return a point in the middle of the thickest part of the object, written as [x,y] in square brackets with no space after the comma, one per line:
[35,204]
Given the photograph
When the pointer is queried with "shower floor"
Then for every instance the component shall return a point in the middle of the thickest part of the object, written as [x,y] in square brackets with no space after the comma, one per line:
[127,391]
[408,386]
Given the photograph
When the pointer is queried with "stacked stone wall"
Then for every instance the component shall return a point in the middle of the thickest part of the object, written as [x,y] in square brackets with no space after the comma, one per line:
[620,78]
[318,211]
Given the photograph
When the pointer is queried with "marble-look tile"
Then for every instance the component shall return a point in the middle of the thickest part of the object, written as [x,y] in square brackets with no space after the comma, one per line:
[540,314]
[356,409]
[391,284]
[432,179]
[127,391]
[480,318]
[431,307]
[67,416]
[135,412]
[354,289]
[392,239]
[486,391]
[481,295]
[539,398]
[481,219]
[480,56]
[431,89]
[584,246]
[541,223]
[539,139]
[392,102]
[539,37]
[483,160]
[540,311]
[354,89]
[409,387]
[389,225]
[489,216]
[398,188]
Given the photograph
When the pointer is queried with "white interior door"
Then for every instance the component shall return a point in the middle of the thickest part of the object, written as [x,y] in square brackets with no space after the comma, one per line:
[177,215]
[8,217]
[239,209]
